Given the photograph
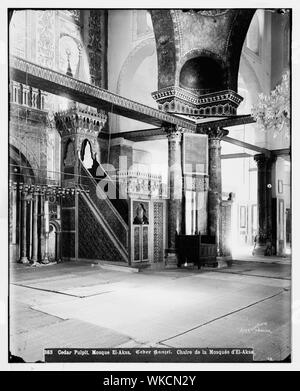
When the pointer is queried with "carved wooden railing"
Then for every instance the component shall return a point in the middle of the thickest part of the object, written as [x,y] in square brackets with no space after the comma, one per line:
[118,201]
[143,184]
[104,206]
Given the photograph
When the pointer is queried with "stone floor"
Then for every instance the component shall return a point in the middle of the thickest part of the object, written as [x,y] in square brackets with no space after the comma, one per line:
[84,305]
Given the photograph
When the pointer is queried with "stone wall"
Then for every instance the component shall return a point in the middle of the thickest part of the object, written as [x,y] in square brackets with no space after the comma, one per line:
[28,134]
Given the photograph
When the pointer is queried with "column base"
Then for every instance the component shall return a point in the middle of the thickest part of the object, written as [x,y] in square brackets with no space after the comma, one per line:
[171,259]
[34,262]
[13,253]
[224,261]
[24,260]
[263,250]
[45,260]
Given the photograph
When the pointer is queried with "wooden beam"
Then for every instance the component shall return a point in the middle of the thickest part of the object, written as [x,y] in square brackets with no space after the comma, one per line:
[225,122]
[281,152]
[235,155]
[56,83]
[141,135]
[242,144]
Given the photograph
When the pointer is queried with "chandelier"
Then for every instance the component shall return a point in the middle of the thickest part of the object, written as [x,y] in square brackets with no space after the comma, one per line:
[272,112]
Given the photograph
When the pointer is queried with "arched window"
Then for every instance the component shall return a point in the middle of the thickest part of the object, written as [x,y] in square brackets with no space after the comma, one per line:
[86,154]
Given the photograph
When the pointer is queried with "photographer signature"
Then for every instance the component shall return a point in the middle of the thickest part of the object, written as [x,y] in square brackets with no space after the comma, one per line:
[258,328]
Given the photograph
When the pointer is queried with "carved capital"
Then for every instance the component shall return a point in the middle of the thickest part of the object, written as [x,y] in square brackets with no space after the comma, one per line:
[174,133]
[260,161]
[264,162]
[216,133]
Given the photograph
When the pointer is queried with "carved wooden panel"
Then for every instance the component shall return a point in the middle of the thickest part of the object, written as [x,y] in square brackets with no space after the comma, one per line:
[145,246]
[136,243]
[158,244]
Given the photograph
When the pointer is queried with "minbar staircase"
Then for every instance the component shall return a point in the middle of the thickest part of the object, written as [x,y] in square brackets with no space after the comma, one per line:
[102,222]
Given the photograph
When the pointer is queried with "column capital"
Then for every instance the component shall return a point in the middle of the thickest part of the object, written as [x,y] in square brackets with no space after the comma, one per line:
[264,161]
[174,133]
[216,133]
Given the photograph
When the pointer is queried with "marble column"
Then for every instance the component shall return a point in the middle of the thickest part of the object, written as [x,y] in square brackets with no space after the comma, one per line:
[30,229]
[13,222]
[14,214]
[46,225]
[24,258]
[215,183]
[35,229]
[264,201]
[57,246]
[42,226]
[174,136]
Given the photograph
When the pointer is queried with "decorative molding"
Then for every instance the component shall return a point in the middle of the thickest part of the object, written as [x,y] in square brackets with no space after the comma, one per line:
[212,12]
[79,120]
[174,134]
[137,184]
[177,34]
[215,135]
[72,14]
[96,46]
[46,38]
[178,100]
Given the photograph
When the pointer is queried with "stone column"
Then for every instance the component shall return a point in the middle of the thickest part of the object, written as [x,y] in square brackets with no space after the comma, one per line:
[30,230]
[14,214]
[58,246]
[42,226]
[215,183]
[175,185]
[264,201]
[46,224]
[35,228]
[24,258]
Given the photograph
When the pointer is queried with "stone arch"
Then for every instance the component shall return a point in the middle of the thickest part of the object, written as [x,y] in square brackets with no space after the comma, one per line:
[163,28]
[29,156]
[20,168]
[250,78]
[54,252]
[83,149]
[253,36]
[235,41]
[134,59]
[69,153]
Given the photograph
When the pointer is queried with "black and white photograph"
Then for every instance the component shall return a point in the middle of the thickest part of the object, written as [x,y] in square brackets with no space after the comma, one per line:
[149,184]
